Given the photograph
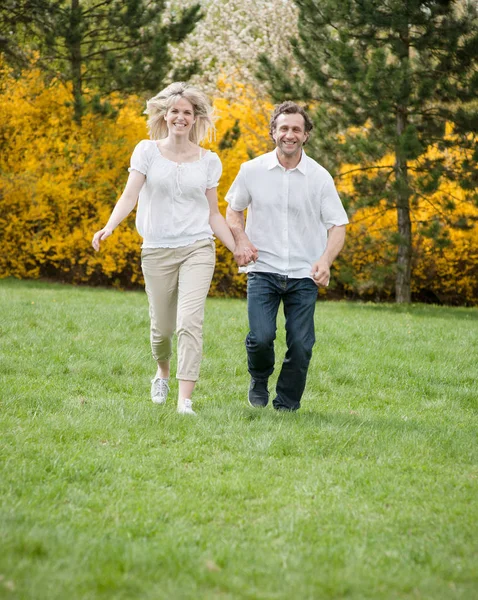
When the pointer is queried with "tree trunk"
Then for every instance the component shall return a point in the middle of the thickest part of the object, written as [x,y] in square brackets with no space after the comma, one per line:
[404,254]
[76,59]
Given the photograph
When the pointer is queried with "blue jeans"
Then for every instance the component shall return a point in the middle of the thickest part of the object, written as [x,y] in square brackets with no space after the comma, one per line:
[264,293]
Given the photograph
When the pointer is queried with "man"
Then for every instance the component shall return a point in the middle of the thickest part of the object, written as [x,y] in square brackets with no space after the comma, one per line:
[295,229]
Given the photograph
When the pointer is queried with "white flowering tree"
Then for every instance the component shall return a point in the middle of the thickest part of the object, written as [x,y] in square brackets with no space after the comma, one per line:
[227,42]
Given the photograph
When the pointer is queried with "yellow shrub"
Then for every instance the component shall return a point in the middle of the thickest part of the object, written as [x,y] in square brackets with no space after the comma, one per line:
[59,183]
[242,133]
[445,273]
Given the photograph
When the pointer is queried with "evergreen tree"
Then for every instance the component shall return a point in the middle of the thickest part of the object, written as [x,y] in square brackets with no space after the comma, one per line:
[106,45]
[390,79]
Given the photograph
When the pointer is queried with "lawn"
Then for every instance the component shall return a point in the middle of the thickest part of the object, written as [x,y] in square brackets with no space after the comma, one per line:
[368,492]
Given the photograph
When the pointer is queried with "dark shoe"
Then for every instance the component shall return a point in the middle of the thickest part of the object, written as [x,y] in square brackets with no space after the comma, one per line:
[258,394]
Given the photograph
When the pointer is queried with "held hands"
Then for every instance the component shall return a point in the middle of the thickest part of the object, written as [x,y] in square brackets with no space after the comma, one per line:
[321,272]
[100,236]
[245,253]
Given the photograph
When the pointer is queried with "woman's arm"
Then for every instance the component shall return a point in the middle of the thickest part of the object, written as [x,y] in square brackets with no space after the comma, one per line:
[123,207]
[245,252]
[217,222]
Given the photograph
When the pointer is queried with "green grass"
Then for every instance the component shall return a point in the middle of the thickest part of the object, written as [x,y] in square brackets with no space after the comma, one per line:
[370,491]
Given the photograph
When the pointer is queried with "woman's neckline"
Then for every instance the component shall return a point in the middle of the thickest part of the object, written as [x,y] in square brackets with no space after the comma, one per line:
[188,162]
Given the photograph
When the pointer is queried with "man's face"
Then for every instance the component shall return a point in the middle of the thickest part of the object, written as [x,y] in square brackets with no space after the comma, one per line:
[289,134]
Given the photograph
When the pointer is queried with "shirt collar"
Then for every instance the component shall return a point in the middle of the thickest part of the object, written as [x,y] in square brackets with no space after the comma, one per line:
[273,162]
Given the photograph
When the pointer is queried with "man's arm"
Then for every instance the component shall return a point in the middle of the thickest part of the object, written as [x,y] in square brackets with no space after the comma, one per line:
[245,251]
[321,268]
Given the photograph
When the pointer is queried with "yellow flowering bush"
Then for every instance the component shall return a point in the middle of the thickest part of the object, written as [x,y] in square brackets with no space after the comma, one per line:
[443,271]
[59,183]
[241,133]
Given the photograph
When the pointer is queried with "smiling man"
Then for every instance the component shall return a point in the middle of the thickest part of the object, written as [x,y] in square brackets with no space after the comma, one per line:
[295,229]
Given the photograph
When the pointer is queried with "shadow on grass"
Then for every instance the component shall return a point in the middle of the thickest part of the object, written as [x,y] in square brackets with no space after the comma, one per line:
[417,310]
[308,419]
[49,285]
[339,435]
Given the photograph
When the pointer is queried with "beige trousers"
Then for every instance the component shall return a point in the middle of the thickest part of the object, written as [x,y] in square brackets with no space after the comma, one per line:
[177,282]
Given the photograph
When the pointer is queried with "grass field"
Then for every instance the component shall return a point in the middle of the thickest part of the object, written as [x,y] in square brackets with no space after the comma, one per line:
[368,492]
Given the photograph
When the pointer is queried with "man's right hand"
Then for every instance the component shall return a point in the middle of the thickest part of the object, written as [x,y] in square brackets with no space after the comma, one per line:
[245,253]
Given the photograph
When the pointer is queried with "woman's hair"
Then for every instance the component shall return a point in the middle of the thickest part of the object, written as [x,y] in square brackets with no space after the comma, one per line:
[289,108]
[157,107]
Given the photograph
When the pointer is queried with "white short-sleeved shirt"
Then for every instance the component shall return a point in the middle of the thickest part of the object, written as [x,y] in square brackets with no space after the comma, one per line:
[173,210]
[289,212]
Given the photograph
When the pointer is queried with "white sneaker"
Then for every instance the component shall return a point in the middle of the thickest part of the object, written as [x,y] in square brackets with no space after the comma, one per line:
[159,390]
[186,408]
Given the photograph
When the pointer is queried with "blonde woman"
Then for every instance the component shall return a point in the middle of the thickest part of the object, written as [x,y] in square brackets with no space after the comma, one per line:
[176,182]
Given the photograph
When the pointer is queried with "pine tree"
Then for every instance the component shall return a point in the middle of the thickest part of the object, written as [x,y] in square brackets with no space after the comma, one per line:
[106,45]
[390,79]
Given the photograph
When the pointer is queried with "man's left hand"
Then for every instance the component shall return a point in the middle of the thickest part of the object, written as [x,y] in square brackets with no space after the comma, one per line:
[321,272]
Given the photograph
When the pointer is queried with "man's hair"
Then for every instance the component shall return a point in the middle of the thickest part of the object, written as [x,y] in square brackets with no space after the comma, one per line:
[289,108]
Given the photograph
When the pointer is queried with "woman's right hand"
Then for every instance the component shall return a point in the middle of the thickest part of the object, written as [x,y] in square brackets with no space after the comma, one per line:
[100,236]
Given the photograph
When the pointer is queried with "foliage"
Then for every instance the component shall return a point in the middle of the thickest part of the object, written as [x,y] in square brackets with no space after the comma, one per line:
[106,46]
[241,134]
[445,241]
[386,79]
[443,275]
[59,182]
[231,37]
[368,492]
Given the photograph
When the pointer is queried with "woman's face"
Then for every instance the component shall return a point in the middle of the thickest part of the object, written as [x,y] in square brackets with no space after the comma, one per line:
[180,117]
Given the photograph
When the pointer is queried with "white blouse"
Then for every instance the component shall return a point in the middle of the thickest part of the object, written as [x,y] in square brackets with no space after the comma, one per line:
[173,210]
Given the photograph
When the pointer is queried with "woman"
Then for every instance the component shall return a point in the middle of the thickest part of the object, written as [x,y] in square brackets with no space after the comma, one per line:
[176,181]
